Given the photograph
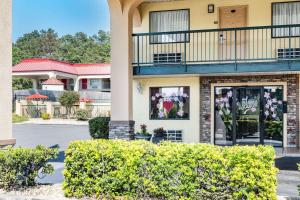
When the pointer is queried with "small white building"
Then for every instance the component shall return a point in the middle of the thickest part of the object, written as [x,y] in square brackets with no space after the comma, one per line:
[53,84]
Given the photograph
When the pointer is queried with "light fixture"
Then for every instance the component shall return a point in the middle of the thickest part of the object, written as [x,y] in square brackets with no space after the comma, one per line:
[211,8]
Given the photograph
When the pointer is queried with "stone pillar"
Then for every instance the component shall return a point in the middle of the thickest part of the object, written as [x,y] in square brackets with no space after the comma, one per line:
[5,73]
[121,12]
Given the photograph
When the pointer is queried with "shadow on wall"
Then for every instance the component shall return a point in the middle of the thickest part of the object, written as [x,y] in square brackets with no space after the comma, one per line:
[287,163]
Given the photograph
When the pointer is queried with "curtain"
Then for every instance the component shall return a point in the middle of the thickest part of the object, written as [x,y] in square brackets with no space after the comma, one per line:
[169,21]
[286,14]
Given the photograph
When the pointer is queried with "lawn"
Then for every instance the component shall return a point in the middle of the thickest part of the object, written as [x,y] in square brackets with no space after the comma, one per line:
[19,119]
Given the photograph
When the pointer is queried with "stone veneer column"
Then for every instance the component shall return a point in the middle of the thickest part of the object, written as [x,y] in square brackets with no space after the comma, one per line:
[5,73]
[121,19]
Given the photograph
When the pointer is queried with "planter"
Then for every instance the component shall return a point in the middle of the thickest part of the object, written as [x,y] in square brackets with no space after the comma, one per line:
[143,137]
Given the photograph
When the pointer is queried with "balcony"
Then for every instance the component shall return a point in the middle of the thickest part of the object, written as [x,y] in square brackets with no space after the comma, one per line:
[218,51]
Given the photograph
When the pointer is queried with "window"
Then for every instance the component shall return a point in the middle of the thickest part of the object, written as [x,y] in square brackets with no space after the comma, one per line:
[169,103]
[173,135]
[286,13]
[95,84]
[84,84]
[169,21]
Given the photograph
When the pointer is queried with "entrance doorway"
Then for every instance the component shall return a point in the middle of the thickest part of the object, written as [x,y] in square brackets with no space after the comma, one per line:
[249,115]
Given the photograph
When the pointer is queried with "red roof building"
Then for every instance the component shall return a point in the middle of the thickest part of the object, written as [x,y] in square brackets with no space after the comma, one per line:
[72,76]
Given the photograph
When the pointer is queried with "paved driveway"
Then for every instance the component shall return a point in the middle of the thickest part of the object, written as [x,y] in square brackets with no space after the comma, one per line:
[31,135]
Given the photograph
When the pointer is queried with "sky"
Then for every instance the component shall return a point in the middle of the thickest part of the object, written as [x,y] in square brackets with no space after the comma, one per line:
[64,16]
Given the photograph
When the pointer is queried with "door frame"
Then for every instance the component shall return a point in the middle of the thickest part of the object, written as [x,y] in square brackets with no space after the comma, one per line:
[248,84]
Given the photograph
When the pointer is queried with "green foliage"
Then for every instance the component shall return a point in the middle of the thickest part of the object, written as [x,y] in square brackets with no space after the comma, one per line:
[19,119]
[274,128]
[21,83]
[99,127]
[46,116]
[68,99]
[140,170]
[19,167]
[82,115]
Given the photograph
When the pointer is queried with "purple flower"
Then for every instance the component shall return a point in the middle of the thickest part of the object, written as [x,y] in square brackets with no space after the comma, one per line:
[253,109]
[279,102]
[267,113]
[267,95]
[217,100]
[161,114]
[153,98]
[269,102]
[274,100]
[176,99]
[229,94]
[272,109]
[267,106]
[157,95]
[180,113]
[274,115]
[185,95]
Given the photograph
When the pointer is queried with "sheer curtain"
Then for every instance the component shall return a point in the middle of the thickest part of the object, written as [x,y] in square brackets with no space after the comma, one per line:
[168,21]
[286,14]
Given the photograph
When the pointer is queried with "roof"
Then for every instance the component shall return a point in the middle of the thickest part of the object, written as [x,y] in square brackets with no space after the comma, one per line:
[45,64]
[52,81]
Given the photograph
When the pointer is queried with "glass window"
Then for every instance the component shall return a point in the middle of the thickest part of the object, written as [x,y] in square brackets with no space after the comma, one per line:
[169,103]
[286,13]
[169,21]
[95,84]
[223,116]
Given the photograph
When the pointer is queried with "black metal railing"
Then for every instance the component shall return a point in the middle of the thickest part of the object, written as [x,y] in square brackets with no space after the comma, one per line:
[231,45]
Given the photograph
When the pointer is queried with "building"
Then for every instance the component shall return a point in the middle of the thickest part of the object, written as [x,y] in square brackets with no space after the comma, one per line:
[220,72]
[50,74]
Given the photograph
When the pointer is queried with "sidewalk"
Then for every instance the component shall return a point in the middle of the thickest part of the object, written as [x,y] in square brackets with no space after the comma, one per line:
[56,122]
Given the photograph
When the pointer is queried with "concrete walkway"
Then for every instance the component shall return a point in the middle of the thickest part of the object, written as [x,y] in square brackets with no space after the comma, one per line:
[40,121]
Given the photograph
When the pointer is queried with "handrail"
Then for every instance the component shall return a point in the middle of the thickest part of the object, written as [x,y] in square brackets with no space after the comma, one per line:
[218,30]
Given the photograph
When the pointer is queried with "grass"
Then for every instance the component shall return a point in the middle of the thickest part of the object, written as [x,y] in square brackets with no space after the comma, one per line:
[19,119]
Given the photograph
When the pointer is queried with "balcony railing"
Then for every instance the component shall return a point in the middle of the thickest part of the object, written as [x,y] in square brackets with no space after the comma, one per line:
[217,46]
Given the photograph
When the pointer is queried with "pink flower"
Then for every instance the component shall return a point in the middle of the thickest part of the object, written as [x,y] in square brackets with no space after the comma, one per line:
[253,109]
[153,98]
[279,102]
[161,114]
[272,109]
[180,113]
[267,95]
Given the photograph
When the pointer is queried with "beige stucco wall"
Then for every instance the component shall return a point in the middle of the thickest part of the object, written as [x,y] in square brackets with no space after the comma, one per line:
[191,127]
[259,12]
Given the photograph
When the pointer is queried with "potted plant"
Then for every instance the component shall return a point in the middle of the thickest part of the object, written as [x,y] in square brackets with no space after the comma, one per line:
[143,134]
[159,135]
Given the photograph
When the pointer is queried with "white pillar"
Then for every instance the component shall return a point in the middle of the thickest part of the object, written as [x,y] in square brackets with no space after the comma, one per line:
[52,75]
[76,84]
[34,84]
[5,73]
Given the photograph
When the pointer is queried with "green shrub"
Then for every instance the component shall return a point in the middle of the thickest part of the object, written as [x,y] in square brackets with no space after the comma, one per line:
[68,99]
[18,119]
[99,127]
[82,115]
[140,169]
[19,167]
[46,116]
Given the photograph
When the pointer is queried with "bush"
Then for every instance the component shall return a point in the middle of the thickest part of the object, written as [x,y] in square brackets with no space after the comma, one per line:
[68,99]
[19,167]
[19,119]
[99,127]
[140,169]
[82,115]
[46,116]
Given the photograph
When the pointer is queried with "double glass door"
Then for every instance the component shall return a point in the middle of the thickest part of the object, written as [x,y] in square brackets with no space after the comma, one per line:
[249,115]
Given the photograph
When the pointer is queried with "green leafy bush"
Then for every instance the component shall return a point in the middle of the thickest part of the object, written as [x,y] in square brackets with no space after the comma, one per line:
[140,170]
[18,119]
[68,99]
[82,115]
[19,167]
[99,127]
[46,116]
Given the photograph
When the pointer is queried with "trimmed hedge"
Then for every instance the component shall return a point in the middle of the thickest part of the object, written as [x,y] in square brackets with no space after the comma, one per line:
[19,167]
[99,127]
[139,169]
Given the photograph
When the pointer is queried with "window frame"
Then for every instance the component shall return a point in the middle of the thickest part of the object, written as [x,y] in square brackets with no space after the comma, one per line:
[171,10]
[158,119]
[272,19]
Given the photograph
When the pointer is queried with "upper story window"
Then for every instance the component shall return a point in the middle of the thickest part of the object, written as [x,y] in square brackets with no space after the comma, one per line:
[169,21]
[286,13]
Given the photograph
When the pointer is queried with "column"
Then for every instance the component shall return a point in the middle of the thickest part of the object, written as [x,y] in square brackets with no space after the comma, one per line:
[122,124]
[5,73]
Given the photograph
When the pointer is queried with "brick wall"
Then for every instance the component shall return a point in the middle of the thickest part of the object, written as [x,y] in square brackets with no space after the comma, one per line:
[292,99]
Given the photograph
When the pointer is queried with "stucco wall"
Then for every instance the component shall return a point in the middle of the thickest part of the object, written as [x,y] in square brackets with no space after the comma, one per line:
[259,12]
[141,106]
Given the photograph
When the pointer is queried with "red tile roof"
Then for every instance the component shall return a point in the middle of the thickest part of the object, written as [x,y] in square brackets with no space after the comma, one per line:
[45,64]
[52,81]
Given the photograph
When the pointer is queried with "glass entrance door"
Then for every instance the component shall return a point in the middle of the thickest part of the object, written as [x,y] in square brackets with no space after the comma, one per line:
[249,115]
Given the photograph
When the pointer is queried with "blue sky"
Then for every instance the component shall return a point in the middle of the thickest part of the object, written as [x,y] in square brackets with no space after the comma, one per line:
[64,16]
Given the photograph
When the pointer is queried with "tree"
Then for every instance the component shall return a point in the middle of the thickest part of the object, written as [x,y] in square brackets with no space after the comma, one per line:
[21,83]
[68,99]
